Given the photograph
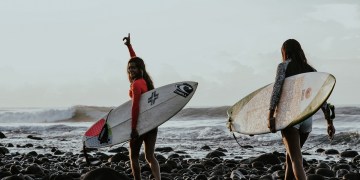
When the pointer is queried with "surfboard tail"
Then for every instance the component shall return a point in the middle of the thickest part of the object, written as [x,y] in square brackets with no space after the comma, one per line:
[229,125]
[230,120]
[306,91]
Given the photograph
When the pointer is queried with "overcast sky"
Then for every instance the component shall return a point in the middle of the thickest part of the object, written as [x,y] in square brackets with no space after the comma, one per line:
[70,52]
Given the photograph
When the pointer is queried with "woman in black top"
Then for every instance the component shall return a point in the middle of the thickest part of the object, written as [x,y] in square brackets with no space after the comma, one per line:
[294,62]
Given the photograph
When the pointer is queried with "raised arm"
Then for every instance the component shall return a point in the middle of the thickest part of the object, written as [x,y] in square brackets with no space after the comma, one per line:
[128,44]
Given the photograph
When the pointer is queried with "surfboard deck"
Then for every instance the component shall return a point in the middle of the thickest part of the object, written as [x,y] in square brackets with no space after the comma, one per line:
[302,96]
[156,107]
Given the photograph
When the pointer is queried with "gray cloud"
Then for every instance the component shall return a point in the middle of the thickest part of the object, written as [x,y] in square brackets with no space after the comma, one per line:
[68,53]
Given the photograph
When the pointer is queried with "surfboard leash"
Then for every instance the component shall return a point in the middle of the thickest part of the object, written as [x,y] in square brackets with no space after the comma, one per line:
[125,143]
[322,142]
[103,138]
[246,146]
[236,139]
[85,154]
[229,126]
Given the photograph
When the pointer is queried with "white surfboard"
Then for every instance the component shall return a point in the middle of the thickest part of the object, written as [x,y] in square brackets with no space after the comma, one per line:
[302,96]
[156,107]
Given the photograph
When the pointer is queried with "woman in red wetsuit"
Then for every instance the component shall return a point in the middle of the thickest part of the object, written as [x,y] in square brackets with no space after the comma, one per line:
[140,83]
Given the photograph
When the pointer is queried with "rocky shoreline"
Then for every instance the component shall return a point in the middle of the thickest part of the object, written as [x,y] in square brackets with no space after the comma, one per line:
[178,165]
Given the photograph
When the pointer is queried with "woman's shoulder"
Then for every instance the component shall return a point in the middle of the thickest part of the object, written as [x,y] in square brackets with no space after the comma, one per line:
[140,81]
[283,64]
[310,68]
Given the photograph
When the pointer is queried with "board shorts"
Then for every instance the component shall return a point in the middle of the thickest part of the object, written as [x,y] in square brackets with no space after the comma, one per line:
[305,126]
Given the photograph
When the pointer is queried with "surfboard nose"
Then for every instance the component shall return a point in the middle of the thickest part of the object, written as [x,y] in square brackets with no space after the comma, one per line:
[192,84]
[196,84]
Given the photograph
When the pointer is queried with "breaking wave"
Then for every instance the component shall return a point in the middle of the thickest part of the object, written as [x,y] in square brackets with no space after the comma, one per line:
[43,115]
[92,113]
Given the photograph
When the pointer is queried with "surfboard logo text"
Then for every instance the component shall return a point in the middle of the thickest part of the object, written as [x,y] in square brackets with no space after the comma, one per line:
[154,96]
[306,93]
[183,89]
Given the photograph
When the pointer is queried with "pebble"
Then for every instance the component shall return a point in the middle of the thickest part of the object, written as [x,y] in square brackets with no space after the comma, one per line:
[215,154]
[33,137]
[164,149]
[325,172]
[71,165]
[331,151]
[206,147]
[2,135]
[349,154]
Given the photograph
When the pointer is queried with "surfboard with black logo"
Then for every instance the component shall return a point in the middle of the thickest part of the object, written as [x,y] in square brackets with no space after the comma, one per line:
[156,107]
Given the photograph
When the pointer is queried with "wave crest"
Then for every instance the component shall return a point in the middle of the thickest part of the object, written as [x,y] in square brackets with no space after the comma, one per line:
[41,115]
[203,113]
[92,113]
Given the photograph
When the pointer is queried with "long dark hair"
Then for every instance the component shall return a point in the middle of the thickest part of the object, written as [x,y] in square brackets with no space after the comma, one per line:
[139,63]
[293,51]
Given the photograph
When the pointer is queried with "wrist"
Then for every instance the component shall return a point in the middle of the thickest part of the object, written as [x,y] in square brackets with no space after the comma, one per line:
[271,112]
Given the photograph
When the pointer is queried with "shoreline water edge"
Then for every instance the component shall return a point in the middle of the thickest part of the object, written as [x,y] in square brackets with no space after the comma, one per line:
[45,143]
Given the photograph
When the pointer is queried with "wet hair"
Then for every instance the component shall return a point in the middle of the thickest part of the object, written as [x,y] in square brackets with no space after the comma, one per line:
[293,51]
[139,63]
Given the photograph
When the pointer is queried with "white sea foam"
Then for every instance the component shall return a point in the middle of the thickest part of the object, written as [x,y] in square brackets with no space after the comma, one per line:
[48,115]
[35,115]
[189,129]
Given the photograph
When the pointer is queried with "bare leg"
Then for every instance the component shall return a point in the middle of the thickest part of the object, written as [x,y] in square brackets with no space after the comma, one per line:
[289,171]
[291,139]
[135,145]
[150,140]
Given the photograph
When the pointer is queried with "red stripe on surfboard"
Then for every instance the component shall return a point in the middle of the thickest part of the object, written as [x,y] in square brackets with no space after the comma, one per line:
[96,128]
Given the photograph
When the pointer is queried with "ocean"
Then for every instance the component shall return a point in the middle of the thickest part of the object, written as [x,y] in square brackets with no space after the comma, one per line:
[187,132]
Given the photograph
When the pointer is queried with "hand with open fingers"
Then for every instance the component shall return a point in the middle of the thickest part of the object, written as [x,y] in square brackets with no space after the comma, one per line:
[331,131]
[127,40]
[271,122]
[134,134]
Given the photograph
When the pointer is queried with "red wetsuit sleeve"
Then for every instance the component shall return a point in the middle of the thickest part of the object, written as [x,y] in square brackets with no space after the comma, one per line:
[131,51]
[136,94]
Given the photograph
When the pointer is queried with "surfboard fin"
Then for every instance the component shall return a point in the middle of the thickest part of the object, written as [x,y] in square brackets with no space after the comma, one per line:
[104,134]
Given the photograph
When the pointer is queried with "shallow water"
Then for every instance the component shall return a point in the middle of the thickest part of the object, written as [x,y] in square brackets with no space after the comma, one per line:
[183,133]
